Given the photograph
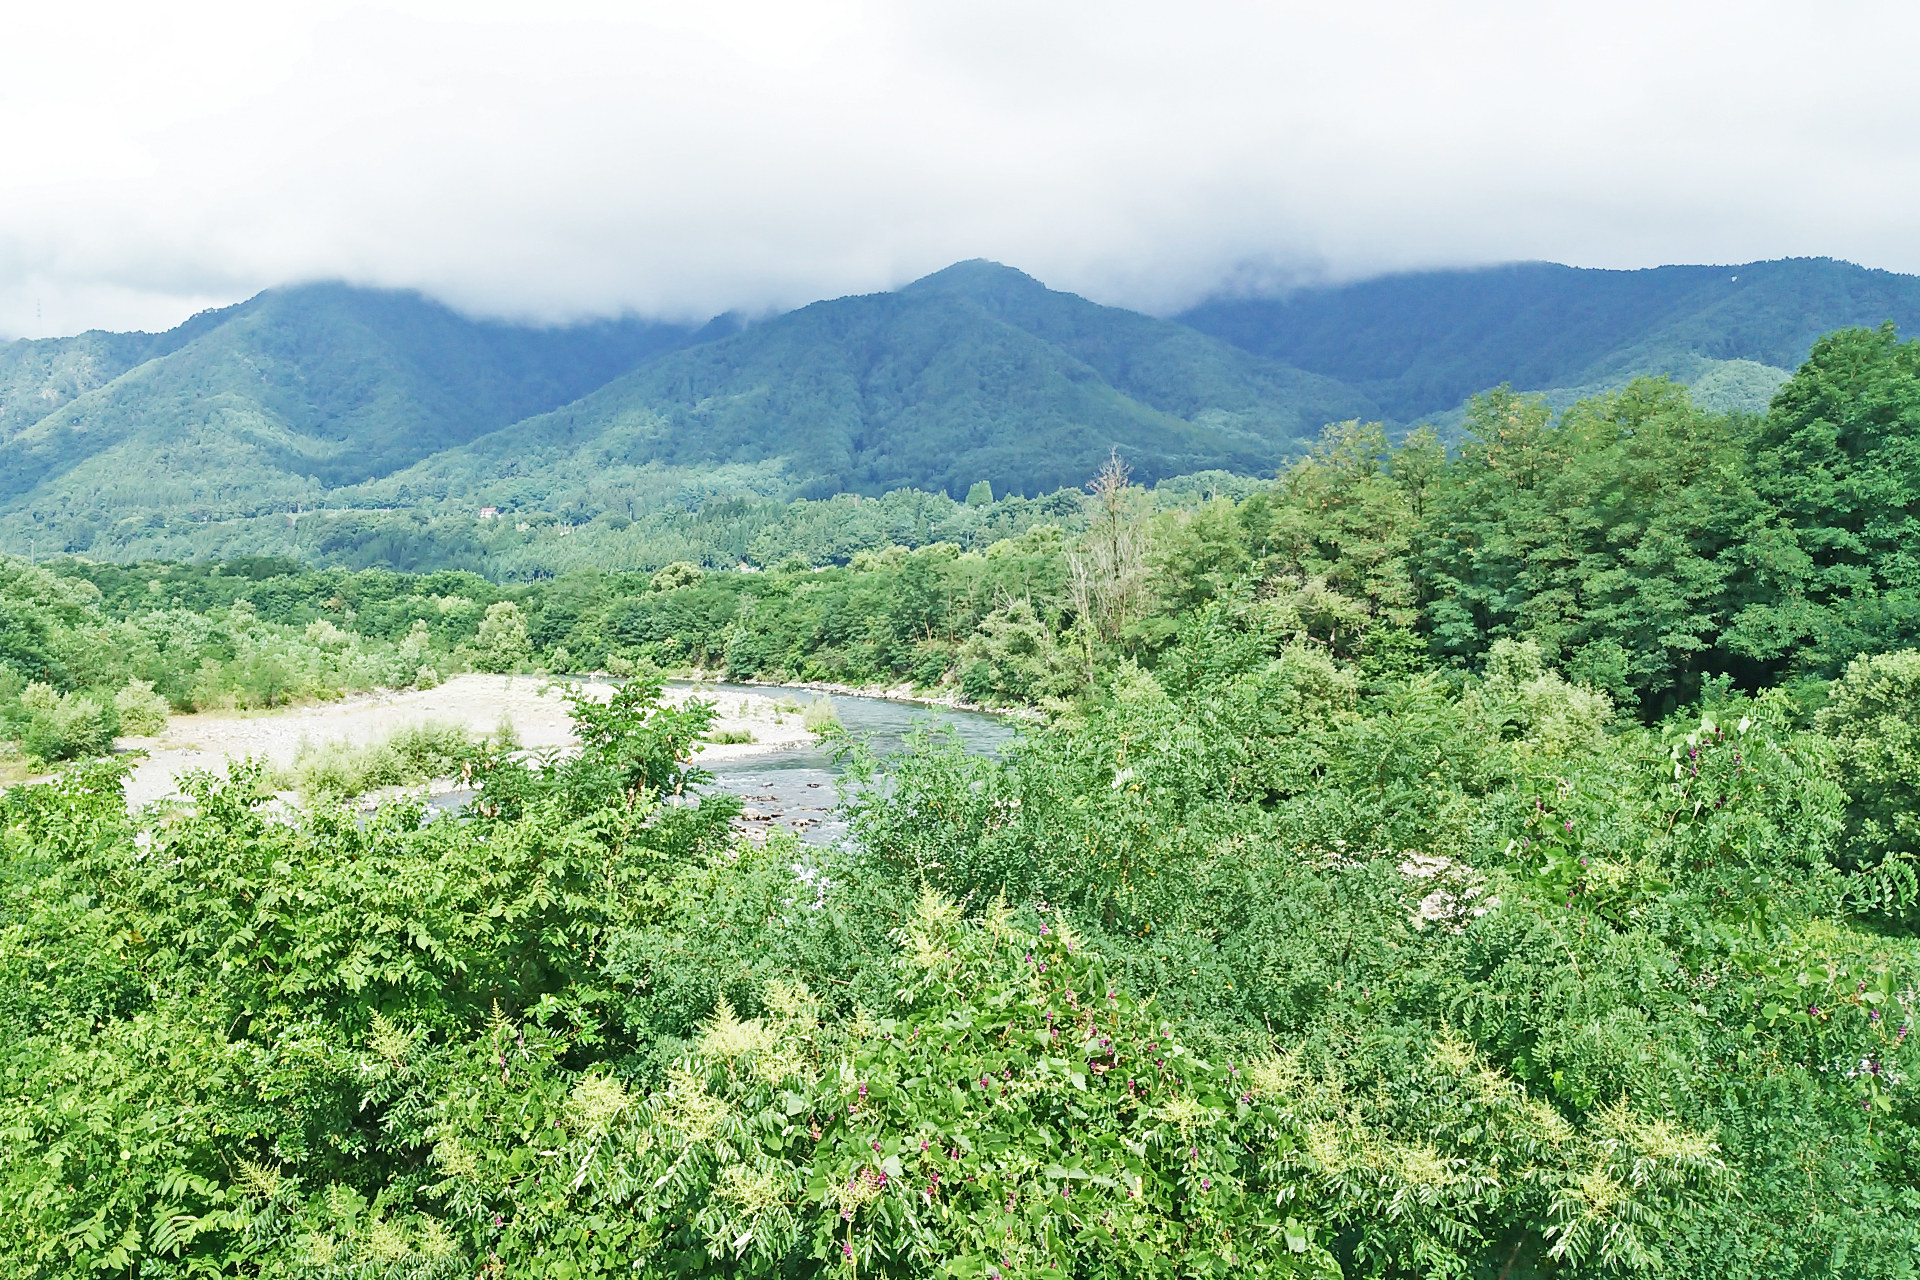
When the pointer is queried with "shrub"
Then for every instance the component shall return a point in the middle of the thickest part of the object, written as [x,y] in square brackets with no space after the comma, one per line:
[1013,656]
[1873,717]
[322,634]
[409,665]
[415,753]
[139,709]
[65,726]
[930,668]
[13,716]
[266,680]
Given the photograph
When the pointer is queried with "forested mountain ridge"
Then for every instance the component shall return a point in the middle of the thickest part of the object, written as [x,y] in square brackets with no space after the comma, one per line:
[397,419]
[978,372]
[263,407]
[39,375]
[1420,343]
[1165,367]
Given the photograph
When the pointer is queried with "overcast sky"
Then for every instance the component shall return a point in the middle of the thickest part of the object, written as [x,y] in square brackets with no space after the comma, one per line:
[557,159]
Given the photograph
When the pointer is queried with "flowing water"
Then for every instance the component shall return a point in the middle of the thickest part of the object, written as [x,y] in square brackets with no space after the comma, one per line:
[794,789]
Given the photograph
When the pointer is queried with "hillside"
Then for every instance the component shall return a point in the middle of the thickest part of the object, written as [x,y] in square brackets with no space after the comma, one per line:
[1420,343]
[1472,856]
[978,372]
[39,376]
[263,407]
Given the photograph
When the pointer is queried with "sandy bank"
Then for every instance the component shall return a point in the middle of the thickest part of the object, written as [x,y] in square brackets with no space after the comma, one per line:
[535,706]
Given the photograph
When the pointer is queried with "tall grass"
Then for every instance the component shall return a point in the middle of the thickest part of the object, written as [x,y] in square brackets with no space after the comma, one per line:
[820,716]
[409,755]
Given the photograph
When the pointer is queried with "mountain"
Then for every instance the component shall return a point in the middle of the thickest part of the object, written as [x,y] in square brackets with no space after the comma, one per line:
[1420,343]
[388,409]
[267,405]
[978,372]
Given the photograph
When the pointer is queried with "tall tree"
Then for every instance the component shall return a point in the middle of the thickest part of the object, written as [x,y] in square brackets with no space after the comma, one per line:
[1840,457]
[1620,538]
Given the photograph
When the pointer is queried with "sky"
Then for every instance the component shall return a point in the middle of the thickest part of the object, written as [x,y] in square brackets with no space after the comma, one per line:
[572,158]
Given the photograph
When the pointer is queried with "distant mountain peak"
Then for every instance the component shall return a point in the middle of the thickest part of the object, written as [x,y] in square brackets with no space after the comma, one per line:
[979,278]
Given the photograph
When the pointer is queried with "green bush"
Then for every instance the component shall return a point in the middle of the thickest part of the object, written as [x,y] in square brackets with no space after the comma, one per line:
[409,666]
[139,709]
[13,716]
[65,726]
[1873,718]
[500,645]
[1013,656]
[413,754]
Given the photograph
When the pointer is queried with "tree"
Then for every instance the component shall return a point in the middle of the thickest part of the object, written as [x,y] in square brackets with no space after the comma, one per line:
[501,644]
[1839,457]
[1109,565]
[1622,538]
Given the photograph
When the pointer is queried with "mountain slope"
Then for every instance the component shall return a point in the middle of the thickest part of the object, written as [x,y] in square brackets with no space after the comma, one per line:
[1422,342]
[977,372]
[39,375]
[266,405]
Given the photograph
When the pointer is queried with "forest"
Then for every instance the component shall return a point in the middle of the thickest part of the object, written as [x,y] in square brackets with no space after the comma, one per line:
[1489,859]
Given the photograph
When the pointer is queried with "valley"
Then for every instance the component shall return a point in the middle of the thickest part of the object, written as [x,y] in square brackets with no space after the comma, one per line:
[1493,841]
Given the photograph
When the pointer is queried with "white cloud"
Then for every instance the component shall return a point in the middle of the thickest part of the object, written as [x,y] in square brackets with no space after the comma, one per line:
[676,159]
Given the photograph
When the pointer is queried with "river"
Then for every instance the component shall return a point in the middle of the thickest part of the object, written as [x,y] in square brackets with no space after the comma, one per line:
[794,789]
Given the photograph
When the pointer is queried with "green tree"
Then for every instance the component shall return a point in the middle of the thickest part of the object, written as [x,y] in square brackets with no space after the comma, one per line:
[501,644]
[1872,717]
[1621,538]
[1839,457]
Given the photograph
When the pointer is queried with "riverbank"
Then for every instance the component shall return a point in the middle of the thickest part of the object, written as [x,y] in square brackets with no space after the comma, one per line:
[533,708]
[886,693]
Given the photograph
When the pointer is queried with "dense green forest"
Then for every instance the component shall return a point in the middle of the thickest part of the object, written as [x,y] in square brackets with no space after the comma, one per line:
[361,428]
[1490,862]
[1419,344]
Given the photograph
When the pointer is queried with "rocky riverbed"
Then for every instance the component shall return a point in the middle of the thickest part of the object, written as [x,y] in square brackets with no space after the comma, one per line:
[534,706]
